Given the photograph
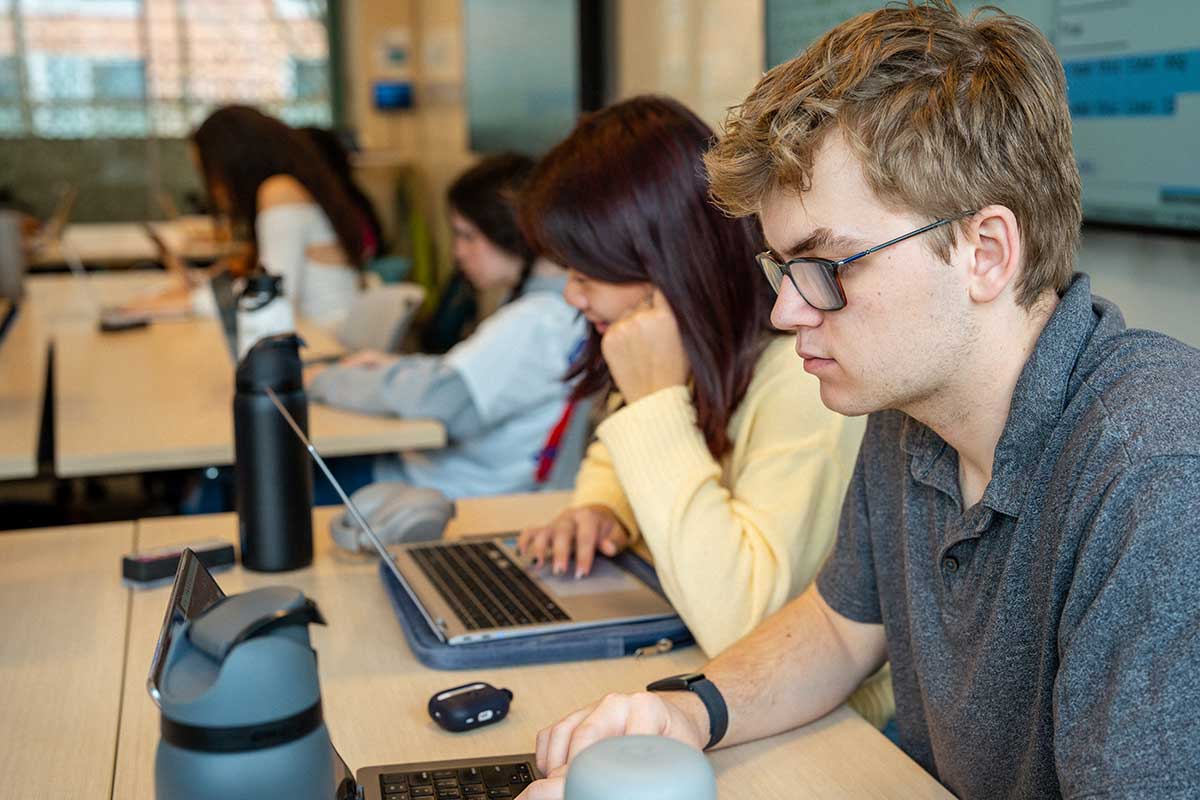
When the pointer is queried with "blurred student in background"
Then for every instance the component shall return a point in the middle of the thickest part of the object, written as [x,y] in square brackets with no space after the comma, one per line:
[499,392]
[280,196]
[721,455]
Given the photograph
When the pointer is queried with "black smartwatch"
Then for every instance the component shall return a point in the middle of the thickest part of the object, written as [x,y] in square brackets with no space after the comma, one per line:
[709,694]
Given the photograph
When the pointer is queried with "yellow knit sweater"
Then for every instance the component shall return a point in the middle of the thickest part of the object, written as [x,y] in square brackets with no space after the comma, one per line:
[733,540]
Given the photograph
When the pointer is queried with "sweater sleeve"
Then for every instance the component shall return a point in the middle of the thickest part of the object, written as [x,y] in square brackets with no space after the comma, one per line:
[413,386]
[597,484]
[730,549]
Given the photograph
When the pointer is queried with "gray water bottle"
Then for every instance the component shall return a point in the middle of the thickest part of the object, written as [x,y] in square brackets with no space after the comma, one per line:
[273,479]
[241,705]
[640,768]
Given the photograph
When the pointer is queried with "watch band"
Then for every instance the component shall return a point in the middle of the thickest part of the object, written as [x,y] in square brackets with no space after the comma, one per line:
[710,696]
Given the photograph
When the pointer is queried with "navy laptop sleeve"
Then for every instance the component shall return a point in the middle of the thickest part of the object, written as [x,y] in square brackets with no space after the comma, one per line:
[603,641]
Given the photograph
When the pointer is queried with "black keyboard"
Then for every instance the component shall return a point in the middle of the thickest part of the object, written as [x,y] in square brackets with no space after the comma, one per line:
[484,586]
[471,783]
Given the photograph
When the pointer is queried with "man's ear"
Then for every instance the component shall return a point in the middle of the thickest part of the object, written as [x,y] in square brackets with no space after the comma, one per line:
[993,244]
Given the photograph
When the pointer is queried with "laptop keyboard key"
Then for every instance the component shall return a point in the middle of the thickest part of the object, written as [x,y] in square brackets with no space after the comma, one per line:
[471,775]
[484,586]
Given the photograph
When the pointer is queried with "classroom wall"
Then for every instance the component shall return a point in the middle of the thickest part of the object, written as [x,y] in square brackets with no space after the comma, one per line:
[708,55]
[114,175]
[426,146]
[1154,278]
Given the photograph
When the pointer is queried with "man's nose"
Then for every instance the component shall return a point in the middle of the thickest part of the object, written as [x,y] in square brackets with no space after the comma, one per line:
[792,311]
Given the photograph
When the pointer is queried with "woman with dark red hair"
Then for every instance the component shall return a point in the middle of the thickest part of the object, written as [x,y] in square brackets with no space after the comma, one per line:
[719,453]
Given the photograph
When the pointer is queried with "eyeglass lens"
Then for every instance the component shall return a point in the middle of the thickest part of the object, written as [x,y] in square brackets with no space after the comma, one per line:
[812,279]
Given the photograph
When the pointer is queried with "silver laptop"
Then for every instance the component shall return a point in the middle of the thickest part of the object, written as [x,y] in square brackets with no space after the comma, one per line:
[481,589]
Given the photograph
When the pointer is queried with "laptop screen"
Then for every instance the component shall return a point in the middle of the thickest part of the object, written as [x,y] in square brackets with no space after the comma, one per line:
[193,592]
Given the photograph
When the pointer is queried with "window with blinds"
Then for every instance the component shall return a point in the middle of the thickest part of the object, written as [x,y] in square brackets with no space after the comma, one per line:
[73,69]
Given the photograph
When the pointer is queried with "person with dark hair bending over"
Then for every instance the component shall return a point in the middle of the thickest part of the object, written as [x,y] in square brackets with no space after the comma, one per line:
[721,456]
[500,391]
[278,193]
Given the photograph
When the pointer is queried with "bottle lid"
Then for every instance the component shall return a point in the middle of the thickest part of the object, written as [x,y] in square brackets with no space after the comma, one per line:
[273,361]
[640,768]
[261,287]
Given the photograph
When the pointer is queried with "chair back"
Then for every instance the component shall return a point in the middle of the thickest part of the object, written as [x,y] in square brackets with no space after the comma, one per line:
[380,317]
[570,448]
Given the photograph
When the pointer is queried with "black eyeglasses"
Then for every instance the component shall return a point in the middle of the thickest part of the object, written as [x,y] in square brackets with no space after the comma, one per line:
[818,280]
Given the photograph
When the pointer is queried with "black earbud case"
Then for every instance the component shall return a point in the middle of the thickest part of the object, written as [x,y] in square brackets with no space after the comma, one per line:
[470,706]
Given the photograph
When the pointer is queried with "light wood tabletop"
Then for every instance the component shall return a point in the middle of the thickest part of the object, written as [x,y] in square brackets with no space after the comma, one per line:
[375,692]
[68,299]
[161,397]
[50,302]
[22,386]
[112,243]
[63,614]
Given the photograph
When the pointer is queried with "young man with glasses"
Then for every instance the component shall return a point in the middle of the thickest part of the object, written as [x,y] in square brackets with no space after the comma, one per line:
[1020,535]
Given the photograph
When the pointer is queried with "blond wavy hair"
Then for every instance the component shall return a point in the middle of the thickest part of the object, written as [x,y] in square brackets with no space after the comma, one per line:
[946,113]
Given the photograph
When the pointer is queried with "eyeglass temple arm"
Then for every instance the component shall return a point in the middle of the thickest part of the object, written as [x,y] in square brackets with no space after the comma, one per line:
[898,239]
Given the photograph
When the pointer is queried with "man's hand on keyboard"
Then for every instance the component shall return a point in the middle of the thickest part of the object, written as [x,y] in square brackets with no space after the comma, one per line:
[552,787]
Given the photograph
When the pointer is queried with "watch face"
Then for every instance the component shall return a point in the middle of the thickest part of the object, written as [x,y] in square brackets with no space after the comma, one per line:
[676,683]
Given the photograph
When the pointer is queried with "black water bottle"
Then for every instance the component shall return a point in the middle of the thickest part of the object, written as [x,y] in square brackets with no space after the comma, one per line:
[273,477]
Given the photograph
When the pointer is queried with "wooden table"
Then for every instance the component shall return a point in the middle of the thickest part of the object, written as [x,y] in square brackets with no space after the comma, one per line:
[375,692]
[67,299]
[22,384]
[161,397]
[109,243]
[63,628]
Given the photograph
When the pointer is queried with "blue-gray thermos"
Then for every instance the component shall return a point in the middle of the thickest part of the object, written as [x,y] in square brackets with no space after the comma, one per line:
[241,705]
[273,479]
